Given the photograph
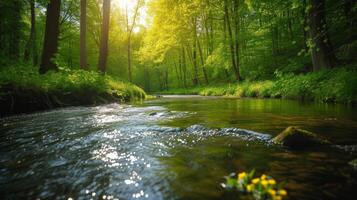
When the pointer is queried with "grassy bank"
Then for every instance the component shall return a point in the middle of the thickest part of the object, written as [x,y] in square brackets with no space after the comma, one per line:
[337,85]
[23,89]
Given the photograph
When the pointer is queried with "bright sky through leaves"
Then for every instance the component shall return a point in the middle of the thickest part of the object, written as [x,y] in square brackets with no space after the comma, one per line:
[130,5]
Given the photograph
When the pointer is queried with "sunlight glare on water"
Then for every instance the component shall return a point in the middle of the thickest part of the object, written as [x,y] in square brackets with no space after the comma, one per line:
[173,148]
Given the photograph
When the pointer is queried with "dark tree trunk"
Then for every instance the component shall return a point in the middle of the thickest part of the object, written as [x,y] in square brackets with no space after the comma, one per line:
[14,45]
[83,35]
[103,54]
[351,19]
[31,43]
[236,40]
[304,25]
[194,54]
[202,62]
[50,45]
[231,42]
[322,53]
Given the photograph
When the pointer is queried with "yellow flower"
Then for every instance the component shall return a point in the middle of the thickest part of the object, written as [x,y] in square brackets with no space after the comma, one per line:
[263,177]
[255,181]
[277,198]
[272,182]
[249,187]
[242,175]
[282,192]
[272,192]
[264,182]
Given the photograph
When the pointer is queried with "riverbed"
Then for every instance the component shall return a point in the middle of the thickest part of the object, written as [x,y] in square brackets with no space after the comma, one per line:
[176,147]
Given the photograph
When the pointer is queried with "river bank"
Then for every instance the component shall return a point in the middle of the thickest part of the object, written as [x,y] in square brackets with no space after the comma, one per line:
[328,86]
[24,90]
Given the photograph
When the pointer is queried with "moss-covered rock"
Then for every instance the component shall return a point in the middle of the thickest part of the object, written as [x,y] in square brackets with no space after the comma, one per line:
[295,137]
[353,163]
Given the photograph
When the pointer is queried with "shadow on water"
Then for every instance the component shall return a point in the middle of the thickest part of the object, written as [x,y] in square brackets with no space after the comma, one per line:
[158,150]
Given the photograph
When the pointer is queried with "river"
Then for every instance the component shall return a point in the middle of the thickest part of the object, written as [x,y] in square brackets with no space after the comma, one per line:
[176,147]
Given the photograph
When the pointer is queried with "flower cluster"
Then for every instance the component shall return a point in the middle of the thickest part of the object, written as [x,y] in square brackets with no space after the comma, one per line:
[262,188]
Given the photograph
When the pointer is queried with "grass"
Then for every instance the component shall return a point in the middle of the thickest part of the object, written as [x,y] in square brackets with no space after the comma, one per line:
[23,89]
[336,85]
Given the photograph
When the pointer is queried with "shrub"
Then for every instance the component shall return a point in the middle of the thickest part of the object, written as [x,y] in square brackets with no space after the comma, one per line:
[25,86]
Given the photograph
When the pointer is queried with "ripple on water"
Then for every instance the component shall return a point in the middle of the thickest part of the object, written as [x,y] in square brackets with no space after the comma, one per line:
[112,151]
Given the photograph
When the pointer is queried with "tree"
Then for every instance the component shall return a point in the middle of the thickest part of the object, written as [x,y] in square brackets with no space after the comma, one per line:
[233,43]
[103,51]
[322,53]
[83,35]
[31,45]
[50,46]
[129,30]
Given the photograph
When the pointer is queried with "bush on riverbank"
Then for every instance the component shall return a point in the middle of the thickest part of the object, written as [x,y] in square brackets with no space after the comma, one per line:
[336,85]
[23,89]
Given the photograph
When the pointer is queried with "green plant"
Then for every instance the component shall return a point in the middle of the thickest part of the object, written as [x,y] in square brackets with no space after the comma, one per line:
[262,188]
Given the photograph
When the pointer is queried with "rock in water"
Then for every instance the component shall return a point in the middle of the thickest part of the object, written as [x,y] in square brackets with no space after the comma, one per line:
[153,114]
[295,137]
[353,163]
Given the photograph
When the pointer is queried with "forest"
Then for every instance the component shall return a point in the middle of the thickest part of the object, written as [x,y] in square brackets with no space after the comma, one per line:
[178,99]
[291,49]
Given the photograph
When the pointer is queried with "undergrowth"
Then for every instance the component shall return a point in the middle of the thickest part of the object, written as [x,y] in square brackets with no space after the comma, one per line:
[336,85]
[22,86]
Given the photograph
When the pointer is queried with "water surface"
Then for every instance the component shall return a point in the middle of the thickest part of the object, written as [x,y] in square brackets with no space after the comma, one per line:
[173,148]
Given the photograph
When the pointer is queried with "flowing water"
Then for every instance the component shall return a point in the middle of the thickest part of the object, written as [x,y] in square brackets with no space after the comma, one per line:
[174,148]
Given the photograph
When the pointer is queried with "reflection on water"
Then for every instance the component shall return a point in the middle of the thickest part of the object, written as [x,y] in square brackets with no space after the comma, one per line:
[172,149]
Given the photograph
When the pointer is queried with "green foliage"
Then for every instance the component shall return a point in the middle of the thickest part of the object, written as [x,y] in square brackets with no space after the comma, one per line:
[69,82]
[337,85]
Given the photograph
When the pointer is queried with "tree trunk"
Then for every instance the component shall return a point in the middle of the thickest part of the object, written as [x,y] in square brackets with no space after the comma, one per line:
[83,35]
[14,46]
[31,45]
[50,45]
[304,26]
[322,53]
[194,55]
[103,51]
[184,68]
[202,61]
[351,19]
[129,59]
[231,41]
[128,29]
[236,40]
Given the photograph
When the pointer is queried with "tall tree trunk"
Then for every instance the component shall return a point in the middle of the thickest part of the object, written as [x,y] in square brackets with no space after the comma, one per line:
[231,41]
[166,79]
[129,58]
[304,25]
[236,39]
[50,45]
[322,53]
[83,35]
[14,46]
[290,29]
[103,51]
[194,54]
[129,30]
[351,19]
[184,68]
[128,44]
[147,79]
[202,61]
[31,46]
[177,67]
